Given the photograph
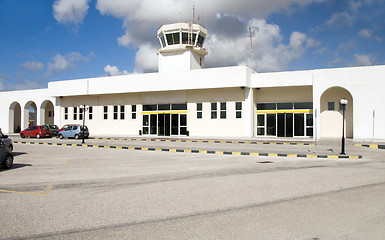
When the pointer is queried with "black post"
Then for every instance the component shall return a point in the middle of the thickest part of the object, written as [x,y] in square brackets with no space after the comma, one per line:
[343,130]
[84,119]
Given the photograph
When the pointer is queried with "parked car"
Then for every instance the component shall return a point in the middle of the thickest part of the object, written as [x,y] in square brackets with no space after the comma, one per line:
[61,129]
[6,156]
[53,128]
[8,142]
[74,131]
[36,131]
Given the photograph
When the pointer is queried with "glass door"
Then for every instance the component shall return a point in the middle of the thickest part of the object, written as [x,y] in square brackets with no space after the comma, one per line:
[174,124]
[153,124]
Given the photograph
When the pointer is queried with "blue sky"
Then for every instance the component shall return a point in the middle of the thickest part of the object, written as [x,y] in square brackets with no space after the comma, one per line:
[43,41]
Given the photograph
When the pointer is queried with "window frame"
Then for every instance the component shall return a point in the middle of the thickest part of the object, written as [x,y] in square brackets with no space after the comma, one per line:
[199,110]
[214,110]
[105,112]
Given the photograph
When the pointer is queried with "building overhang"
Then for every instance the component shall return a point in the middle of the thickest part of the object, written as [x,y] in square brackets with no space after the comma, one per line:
[211,78]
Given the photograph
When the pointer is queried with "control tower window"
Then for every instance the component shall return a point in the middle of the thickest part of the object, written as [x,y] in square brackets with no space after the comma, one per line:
[194,38]
[163,41]
[184,38]
[173,38]
[200,41]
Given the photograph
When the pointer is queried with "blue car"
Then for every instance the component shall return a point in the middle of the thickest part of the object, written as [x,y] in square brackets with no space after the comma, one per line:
[74,131]
[6,156]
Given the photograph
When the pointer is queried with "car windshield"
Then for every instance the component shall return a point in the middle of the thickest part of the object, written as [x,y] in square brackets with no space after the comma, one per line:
[85,128]
[53,127]
[44,127]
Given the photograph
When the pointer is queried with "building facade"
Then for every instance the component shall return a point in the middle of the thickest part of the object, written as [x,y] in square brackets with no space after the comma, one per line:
[184,98]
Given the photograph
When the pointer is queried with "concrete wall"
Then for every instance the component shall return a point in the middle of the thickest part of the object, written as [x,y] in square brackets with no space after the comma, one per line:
[9,104]
[206,126]
[366,86]
[231,126]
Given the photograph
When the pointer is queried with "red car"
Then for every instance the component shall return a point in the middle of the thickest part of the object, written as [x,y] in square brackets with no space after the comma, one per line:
[36,131]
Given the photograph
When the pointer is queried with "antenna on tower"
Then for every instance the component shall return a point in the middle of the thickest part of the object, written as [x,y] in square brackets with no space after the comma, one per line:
[193,13]
[252,50]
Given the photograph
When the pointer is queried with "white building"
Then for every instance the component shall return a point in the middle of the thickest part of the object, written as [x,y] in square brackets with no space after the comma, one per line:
[183,99]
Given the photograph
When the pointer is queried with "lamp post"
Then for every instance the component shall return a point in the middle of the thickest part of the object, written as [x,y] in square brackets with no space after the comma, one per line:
[84,109]
[343,103]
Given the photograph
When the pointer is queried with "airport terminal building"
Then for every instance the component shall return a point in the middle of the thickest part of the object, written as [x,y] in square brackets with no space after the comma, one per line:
[186,99]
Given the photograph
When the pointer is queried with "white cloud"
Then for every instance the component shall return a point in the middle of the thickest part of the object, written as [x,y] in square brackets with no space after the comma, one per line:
[366,33]
[354,6]
[341,19]
[146,59]
[363,60]
[270,54]
[226,20]
[114,71]
[60,63]
[70,11]
[33,66]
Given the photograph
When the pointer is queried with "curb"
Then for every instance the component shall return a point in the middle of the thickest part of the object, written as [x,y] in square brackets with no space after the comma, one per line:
[206,141]
[375,146]
[198,151]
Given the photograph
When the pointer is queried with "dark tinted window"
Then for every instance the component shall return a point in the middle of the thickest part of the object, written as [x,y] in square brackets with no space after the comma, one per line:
[182,106]
[164,107]
[284,105]
[303,105]
[266,106]
[199,106]
[149,107]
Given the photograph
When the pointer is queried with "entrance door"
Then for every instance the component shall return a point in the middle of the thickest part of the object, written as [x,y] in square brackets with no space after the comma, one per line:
[175,124]
[285,125]
[153,121]
[164,125]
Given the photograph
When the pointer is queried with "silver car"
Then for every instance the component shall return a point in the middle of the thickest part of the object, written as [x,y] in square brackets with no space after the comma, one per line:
[8,142]
[6,156]
[74,131]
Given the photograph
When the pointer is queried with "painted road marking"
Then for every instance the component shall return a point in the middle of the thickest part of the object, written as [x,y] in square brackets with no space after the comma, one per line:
[46,190]
[206,151]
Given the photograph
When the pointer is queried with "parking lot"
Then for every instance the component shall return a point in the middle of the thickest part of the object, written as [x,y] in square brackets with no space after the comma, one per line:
[143,189]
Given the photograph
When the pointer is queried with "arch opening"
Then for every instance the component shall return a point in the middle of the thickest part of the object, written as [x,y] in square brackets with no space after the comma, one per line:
[331,113]
[30,114]
[14,118]
[46,113]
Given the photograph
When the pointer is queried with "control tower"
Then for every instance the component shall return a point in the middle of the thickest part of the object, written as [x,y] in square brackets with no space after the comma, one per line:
[181,47]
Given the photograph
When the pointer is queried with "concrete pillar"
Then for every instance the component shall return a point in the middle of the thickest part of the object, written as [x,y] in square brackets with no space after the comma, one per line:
[57,112]
[249,112]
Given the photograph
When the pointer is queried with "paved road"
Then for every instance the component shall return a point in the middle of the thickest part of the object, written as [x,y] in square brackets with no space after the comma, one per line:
[57,192]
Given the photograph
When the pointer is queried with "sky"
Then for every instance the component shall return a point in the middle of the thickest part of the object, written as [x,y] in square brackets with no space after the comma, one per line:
[53,40]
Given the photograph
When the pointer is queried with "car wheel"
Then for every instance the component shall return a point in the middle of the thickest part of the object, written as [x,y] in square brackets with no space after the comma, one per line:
[22,136]
[60,136]
[7,164]
[76,136]
[37,135]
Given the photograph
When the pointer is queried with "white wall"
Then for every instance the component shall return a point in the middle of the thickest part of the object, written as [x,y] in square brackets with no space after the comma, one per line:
[154,82]
[366,85]
[23,98]
[229,127]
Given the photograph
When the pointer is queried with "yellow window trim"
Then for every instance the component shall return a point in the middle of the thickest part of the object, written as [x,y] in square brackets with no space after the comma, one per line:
[285,111]
[158,112]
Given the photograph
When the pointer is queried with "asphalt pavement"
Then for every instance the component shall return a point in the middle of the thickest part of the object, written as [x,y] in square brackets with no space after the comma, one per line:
[72,191]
